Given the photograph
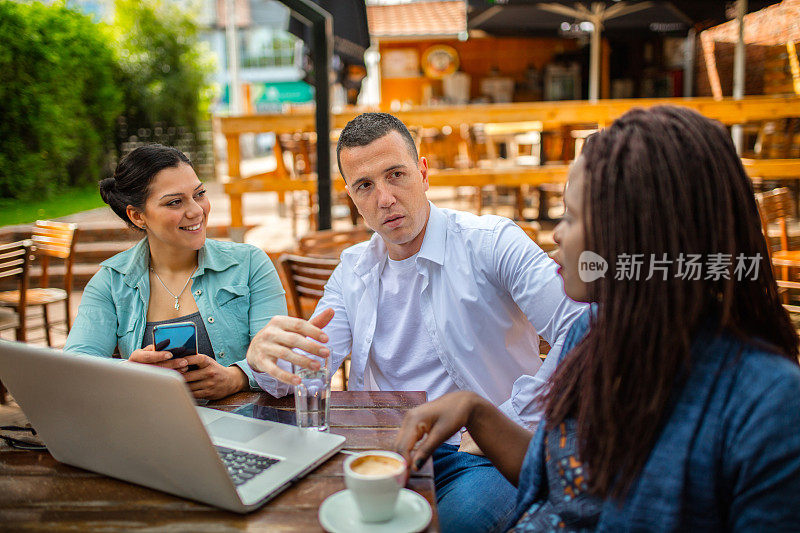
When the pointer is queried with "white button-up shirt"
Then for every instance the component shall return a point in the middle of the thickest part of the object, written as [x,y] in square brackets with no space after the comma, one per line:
[489,291]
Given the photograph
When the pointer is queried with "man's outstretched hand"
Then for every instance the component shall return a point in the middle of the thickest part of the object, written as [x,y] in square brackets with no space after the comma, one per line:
[279,339]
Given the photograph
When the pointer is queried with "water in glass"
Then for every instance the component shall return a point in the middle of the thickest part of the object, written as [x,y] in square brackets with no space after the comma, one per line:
[311,398]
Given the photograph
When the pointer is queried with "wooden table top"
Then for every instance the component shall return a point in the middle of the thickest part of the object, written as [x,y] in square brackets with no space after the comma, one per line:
[39,493]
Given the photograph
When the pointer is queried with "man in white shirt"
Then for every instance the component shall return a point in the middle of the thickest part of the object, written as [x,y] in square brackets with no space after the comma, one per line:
[438,300]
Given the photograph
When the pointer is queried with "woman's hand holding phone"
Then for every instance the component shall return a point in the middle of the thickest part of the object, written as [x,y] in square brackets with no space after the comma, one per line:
[176,348]
[212,380]
[154,355]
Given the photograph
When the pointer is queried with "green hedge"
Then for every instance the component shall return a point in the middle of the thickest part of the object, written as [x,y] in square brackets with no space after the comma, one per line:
[58,99]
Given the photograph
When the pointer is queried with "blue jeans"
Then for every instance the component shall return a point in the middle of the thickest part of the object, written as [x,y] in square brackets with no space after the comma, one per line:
[471,494]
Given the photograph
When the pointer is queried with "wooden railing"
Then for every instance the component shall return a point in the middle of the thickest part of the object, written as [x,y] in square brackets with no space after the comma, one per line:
[551,115]
[773,169]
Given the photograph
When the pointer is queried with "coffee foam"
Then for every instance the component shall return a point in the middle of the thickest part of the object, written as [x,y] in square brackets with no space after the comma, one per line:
[376,465]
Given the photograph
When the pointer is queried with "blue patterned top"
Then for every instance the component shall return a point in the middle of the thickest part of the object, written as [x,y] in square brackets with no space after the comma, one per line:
[568,506]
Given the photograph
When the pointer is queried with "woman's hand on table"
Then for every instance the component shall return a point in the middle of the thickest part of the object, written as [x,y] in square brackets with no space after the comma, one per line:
[212,380]
[280,337]
[149,355]
[425,427]
[502,440]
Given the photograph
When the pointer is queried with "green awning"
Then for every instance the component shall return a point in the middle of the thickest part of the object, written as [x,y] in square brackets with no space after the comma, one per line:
[295,92]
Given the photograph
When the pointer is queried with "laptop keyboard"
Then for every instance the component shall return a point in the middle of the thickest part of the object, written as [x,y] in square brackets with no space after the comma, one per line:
[243,466]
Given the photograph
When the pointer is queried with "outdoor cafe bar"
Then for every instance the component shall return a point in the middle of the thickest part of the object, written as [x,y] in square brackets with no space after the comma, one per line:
[493,93]
[468,164]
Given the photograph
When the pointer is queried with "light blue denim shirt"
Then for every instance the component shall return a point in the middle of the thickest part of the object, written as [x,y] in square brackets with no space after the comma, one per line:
[236,288]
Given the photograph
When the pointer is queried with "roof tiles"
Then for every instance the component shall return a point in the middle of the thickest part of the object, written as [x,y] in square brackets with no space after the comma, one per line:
[418,19]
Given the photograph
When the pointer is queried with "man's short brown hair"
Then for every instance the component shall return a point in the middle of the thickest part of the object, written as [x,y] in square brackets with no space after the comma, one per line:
[368,128]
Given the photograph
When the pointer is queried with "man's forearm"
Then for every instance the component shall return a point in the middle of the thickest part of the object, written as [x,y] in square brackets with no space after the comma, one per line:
[501,439]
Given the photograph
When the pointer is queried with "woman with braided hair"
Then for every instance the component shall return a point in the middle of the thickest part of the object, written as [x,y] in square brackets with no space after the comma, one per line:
[176,274]
[676,404]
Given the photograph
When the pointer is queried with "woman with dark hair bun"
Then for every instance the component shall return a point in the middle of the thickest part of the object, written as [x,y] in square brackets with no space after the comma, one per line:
[176,274]
[676,403]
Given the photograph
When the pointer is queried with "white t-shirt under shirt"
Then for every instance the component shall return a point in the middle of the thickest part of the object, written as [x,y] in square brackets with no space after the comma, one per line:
[402,356]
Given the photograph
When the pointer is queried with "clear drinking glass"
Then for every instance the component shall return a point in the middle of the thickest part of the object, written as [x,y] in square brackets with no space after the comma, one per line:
[311,397]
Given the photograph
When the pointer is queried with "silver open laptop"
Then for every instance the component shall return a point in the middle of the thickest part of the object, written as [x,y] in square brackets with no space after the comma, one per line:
[140,424]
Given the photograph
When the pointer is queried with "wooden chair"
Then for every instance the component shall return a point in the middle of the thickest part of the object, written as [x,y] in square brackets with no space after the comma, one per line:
[14,262]
[15,259]
[776,206]
[532,230]
[544,348]
[298,159]
[529,229]
[776,139]
[305,279]
[50,240]
[331,243]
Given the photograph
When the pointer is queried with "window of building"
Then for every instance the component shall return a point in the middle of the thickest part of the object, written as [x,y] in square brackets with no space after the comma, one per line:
[269,48]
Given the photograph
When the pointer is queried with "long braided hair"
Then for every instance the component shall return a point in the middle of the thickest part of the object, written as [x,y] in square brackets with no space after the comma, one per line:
[660,181]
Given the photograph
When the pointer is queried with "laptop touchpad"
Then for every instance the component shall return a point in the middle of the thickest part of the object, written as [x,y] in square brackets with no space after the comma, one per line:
[235,429]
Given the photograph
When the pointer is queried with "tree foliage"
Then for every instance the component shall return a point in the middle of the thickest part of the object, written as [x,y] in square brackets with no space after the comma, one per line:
[164,68]
[72,90]
[58,99]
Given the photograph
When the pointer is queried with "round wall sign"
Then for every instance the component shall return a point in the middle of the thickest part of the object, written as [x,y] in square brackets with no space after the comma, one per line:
[439,61]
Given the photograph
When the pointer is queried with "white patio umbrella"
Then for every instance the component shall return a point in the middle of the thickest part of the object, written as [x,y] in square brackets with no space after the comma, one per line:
[598,14]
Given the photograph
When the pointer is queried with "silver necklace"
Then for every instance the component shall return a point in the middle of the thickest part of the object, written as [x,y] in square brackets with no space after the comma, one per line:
[177,305]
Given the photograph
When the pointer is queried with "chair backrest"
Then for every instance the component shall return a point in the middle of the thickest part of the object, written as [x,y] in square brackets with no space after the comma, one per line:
[15,258]
[305,279]
[331,243]
[776,206]
[777,139]
[55,239]
[301,150]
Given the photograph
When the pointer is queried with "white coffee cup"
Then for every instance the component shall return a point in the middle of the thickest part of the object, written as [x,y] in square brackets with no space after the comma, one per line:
[375,479]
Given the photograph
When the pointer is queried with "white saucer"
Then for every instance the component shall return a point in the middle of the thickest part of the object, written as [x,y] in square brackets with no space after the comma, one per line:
[338,514]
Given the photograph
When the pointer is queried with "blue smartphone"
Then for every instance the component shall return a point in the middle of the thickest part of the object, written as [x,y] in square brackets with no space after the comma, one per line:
[179,338]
